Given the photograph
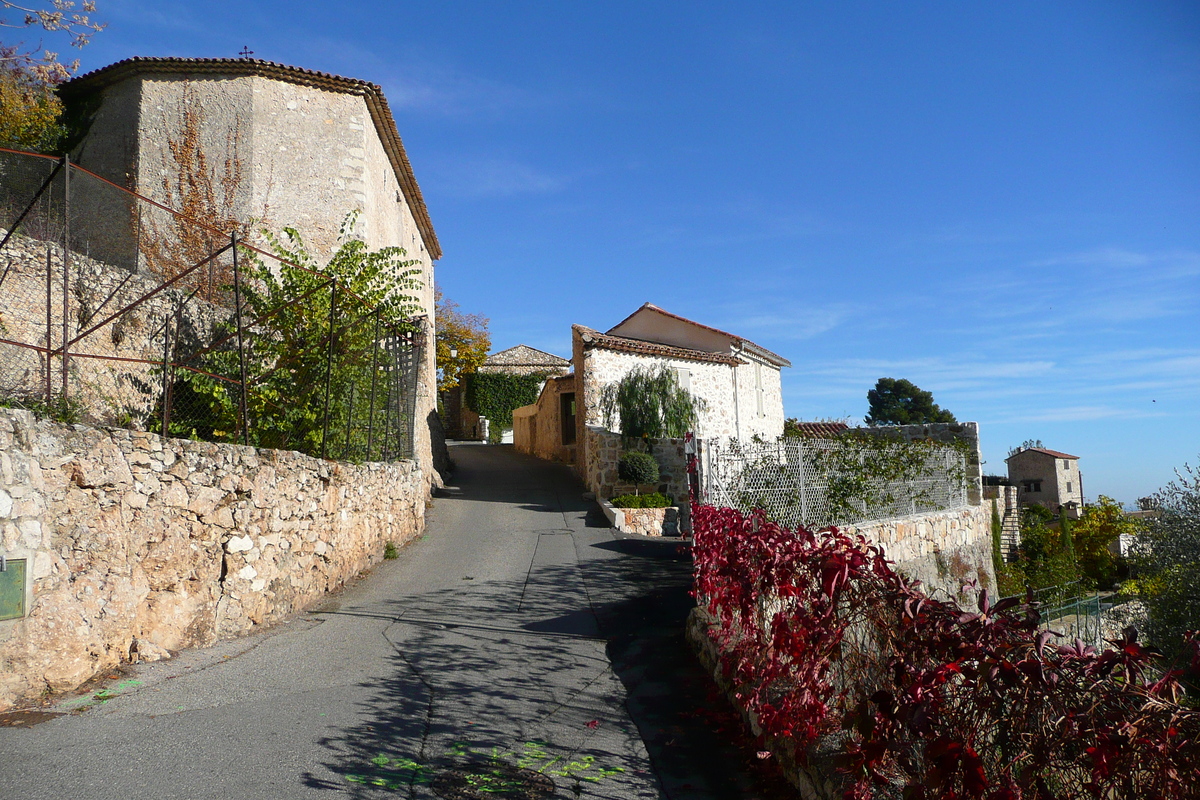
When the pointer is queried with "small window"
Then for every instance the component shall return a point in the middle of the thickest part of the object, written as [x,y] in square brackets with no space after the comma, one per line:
[1032,487]
[1068,487]
[1066,464]
[683,377]
[758,389]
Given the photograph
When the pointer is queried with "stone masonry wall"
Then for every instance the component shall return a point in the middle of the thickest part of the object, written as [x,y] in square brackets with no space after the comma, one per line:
[942,549]
[605,449]
[135,544]
[537,428]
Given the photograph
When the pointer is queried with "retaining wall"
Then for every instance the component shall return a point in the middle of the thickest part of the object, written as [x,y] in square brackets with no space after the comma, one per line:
[135,544]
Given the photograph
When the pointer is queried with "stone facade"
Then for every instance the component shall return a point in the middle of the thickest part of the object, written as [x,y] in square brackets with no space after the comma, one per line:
[651,521]
[538,428]
[135,543]
[730,393]
[604,451]
[944,549]
[1047,478]
[310,148]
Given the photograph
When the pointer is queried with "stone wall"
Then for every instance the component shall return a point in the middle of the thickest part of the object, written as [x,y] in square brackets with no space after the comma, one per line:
[537,428]
[604,449]
[942,549]
[135,543]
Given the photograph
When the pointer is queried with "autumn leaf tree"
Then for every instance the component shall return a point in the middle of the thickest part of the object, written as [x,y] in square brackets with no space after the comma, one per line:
[30,111]
[463,341]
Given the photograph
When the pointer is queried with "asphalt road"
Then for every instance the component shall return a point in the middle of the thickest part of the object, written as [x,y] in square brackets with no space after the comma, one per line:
[518,631]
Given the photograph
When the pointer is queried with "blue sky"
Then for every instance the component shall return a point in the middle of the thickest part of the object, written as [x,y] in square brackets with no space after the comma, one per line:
[999,202]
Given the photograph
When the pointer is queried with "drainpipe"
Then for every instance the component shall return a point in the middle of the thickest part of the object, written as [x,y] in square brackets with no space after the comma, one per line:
[737,414]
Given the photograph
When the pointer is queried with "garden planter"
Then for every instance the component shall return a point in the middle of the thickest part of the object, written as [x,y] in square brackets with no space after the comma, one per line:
[643,521]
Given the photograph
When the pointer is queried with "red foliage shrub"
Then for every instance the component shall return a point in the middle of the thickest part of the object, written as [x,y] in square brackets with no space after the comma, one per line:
[921,699]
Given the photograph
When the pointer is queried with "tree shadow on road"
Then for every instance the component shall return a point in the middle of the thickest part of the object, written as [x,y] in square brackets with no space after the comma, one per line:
[468,674]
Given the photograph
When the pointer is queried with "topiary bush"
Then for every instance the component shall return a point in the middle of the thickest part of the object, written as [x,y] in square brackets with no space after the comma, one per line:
[638,469]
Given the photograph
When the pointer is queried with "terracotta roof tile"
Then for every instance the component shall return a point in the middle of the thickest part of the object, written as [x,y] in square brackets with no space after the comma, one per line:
[1044,451]
[819,430]
[757,349]
[593,338]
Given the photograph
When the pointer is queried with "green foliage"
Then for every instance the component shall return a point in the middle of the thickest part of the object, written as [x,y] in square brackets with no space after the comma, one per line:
[652,500]
[900,402]
[1168,559]
[499,772]
[1101,525]
[862,474]
[997,535]
[32,112]
[390,552]
[496,395]
[304,341]
[1064,533]
[1043,560]
[649,403]
[638,469]
[866,470]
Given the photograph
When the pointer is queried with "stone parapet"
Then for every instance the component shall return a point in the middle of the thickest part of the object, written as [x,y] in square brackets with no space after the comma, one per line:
[136,543]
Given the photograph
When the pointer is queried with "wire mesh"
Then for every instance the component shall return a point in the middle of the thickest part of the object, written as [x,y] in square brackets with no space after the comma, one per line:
[794,481]
[116,310]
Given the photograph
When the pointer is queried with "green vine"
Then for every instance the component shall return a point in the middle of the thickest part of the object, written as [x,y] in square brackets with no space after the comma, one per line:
[496,395]
[862,474]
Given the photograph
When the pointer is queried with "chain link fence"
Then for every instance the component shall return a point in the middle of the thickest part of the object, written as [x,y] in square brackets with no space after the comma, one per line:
[821,482]
[116,310]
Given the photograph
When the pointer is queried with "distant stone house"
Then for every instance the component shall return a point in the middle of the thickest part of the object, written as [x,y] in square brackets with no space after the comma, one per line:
[1047,478]
[462,422]
[305,147]
[737,380]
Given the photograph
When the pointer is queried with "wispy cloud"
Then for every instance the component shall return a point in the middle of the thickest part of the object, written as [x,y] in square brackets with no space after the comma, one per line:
[472,178]
[1085,413]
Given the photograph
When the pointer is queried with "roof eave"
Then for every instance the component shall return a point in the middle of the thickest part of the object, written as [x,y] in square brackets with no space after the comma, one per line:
[377,106]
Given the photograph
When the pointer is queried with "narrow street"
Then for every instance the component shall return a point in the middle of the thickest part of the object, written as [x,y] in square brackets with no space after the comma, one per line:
[517,629]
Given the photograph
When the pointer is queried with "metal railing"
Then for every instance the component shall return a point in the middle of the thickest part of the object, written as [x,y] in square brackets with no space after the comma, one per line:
[116,310]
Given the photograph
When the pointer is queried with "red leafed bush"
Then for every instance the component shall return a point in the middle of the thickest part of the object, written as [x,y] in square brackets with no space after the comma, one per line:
[922,700]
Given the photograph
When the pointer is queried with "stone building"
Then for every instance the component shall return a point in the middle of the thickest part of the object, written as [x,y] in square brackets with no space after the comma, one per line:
[461,421]
[737,380]
[526,360]
[278,145]
[1047,478]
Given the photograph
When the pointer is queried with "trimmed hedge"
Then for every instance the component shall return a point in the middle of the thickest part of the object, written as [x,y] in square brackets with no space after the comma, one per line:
[495,395]
[653,500]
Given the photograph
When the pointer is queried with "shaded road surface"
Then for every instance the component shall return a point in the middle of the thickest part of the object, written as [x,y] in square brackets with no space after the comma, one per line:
[511,630]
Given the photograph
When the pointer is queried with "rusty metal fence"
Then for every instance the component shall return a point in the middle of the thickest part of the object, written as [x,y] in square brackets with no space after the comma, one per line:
[116,310]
